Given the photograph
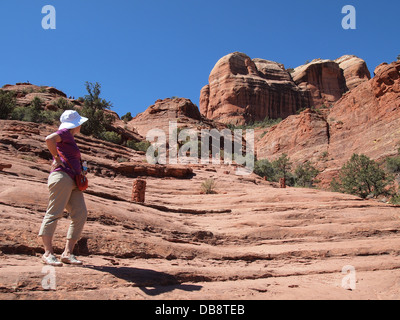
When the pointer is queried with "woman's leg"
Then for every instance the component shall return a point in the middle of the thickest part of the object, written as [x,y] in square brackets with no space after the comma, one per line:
[69,247]
[60,188]
[77,210]
[48,245]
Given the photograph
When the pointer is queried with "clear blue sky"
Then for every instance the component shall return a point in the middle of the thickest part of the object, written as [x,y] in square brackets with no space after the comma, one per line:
[141,51]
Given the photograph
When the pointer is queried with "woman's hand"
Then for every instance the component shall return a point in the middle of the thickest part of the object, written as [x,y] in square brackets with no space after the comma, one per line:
[51,142]
[57,163]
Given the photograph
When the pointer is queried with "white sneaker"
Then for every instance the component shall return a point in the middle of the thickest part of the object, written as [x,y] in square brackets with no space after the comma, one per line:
[51,260]
[71,260]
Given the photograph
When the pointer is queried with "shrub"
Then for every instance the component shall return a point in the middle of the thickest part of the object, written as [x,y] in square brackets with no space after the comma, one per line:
[30,113]
[111,136]
[393,164]
[63,104]
[395,199]
[264,168]
[305,175]
[93,109]
[18,113]
[126,118]
[49,116]
[282,167]
[361,176]
[208,186]
[138,146]
[7,104]
[275,170]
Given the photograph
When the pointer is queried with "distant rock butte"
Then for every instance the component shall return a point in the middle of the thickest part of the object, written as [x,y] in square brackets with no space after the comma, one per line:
[242,89]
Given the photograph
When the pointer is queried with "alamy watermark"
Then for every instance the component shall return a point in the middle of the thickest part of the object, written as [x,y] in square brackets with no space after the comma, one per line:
[49,280]
[49,20]
[189,146]
[349,280]
[349,20]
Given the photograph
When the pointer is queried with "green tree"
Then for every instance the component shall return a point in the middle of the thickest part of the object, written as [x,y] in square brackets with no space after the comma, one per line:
[7,104]
[305,175]
[93,109]
[282,167]
[111,136]
[264,168]
[138,146]
[126,118]
[393,164]
[361,176]
[33,112]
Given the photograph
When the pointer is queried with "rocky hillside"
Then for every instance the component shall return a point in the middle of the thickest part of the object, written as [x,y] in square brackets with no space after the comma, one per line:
[53,102]
[364,120]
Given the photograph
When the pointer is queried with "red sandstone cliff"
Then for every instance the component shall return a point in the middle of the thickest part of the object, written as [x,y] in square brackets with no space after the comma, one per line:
[365,120]
[241,90]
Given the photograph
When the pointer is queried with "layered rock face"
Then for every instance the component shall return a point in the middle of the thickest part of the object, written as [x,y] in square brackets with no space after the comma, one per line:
[328,80]
[241,90]
[324,79]
[162,112]
[355,70]
[303,136]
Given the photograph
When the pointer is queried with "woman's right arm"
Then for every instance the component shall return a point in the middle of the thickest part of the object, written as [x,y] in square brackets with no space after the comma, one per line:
[51,142]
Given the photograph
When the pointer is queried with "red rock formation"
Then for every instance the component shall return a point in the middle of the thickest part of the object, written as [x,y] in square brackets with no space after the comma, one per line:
[162,112]
[179,110]
[302,137]
[365,120]
[26,92]
[324,79]
[130,169]
[355,70]
[242,90]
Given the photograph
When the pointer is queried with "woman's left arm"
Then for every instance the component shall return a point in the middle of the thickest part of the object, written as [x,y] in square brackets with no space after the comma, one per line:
[51,142]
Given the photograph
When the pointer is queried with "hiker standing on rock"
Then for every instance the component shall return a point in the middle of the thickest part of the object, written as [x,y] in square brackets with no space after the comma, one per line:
[64,192]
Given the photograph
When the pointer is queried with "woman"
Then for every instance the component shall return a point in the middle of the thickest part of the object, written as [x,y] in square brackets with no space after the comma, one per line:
[63,190]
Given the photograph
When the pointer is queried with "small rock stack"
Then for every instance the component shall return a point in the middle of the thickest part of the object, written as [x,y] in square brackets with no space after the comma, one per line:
[139,191]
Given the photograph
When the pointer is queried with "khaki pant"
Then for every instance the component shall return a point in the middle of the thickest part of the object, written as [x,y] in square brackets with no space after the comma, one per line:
[64,194]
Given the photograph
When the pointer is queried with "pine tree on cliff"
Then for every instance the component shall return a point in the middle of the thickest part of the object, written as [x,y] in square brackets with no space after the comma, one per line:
[93,109]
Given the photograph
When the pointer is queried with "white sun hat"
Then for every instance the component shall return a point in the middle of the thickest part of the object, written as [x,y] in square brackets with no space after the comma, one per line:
[71,119]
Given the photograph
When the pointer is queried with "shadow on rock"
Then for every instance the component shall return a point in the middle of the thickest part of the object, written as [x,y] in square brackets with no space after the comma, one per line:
[151,282]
